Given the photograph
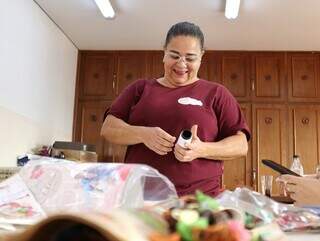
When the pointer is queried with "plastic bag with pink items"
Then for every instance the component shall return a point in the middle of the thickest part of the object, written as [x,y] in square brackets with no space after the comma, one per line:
[288,217]
[60,185]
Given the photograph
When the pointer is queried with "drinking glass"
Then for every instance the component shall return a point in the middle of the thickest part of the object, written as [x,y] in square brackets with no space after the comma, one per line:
[266,185]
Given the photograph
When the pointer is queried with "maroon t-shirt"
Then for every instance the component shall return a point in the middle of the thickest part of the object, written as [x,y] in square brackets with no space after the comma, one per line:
[207,104]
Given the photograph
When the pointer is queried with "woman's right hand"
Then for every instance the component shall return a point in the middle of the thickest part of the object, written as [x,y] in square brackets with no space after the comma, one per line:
[157,140]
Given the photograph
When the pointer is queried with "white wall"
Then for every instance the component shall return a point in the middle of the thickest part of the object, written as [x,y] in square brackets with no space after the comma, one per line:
[37,80]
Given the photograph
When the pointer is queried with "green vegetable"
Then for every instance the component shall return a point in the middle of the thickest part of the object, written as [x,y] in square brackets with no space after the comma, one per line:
[206,202]
[185,230]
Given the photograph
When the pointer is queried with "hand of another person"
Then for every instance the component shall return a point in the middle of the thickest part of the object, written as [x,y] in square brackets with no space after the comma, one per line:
[194,149]
[304,190]
[157,140]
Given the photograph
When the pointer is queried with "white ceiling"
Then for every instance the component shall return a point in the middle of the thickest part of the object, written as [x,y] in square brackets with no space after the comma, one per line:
[142,24]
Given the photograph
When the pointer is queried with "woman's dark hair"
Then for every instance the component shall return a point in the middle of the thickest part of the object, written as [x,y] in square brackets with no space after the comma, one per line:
[185,29]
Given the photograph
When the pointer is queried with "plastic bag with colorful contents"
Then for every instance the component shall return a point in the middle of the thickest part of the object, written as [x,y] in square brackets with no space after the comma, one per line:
[60,185]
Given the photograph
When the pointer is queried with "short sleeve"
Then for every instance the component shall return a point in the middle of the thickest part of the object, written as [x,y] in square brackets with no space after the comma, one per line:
[229,116]
[128,98]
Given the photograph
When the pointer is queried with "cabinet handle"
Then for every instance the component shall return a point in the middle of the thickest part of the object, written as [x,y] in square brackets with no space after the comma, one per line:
[129,76]
[268,120]
[267,77]
[93,118]
[305,120]
[233,76]
[114,82]
[254,178]
[252,85]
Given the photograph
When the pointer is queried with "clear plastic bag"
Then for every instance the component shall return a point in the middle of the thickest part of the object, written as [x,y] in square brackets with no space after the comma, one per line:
[288,217]
[60,185]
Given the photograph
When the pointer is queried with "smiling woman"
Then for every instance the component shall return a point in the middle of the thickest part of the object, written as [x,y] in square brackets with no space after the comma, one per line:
[181,61]
[183,42]
[149,116]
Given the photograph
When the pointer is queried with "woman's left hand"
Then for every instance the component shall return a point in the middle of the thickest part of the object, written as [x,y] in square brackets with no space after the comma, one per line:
[194,149]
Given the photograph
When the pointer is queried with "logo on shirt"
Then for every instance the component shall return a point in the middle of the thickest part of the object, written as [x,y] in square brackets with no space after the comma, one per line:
[189,101]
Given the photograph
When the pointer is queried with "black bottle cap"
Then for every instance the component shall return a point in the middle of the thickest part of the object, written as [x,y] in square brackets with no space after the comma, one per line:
[186,134]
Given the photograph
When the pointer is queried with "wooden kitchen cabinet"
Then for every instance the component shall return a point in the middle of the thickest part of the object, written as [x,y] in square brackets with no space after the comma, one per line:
[210,67]
[90,120]
[104,74]
[234,67]
[251,76]
[204,71]
[303,76]
[130,65]
[269,139]
[304,140]
[268,76]
[155,67]
[238,172]
[97,73]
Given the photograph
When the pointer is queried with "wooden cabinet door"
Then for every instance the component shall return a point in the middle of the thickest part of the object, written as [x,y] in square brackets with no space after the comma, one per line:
[155,68]
[131,65]
[207,66]
[304,139]
[203,72]
[91,114]
[234,74]
[269,138]
[90,120]
[238,172]
[304,83]
[210,68]
[97,75]
[268,74]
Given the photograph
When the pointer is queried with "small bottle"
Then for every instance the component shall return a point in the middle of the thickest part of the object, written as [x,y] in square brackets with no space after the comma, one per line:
[296,165]
[184,138]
